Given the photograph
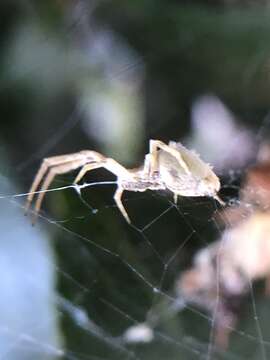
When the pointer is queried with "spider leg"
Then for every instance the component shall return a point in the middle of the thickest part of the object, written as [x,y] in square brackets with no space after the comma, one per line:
[117,197]
[46,164]
[147,165]
[115,168]
[216,197]
[157,144]
[86,168]
[54,170]
[64,163]
[111,165]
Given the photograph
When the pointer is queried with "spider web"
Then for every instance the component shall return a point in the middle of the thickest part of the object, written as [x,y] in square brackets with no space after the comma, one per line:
[116,296]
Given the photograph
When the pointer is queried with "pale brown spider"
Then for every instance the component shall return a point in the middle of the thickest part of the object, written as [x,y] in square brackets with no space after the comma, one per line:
[171,167]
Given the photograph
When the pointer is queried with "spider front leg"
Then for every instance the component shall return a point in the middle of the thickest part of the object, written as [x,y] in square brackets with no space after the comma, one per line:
[89,160]
[72,161]
[47,164]
[55,170]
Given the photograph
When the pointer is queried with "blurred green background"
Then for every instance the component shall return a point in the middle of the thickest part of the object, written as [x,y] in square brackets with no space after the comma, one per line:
[109,76]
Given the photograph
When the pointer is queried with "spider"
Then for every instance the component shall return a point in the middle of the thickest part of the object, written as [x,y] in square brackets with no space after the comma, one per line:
[171,167]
